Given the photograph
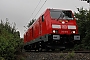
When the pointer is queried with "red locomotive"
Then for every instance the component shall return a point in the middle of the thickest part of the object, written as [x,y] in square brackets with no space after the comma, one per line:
[54,29]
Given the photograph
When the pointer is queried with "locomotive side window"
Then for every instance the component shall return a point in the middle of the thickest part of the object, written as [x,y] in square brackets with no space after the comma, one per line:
[61,14]
[42,18]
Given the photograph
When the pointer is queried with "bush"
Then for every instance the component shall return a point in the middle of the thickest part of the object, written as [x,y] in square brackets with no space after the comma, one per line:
[10,41]
[83,22]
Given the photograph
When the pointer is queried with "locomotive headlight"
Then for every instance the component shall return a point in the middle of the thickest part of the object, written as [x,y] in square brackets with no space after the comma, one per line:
[73,32]
[56,26]
[55,31]
[63,22]
[71,27]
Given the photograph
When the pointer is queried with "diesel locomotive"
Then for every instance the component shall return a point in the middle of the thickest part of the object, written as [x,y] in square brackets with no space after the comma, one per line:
[54,29]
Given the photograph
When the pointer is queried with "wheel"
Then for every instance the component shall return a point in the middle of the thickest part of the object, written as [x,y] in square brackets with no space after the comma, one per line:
[47,49]
[40,49]
[53,49]
[26,48]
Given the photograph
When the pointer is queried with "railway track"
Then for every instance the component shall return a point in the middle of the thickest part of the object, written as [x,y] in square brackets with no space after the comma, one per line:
[82,51]
[58,51]
[76,51]
[58,55]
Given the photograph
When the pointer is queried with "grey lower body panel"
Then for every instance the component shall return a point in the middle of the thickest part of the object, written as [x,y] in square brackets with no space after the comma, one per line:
[64,38]
[76,37]
[57,40]
[39,39]
[60,37]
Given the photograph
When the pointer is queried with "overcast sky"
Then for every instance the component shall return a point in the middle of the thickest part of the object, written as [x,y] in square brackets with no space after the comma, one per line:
[20,11]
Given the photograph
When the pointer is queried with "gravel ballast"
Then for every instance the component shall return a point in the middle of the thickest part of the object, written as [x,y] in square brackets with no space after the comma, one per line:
[56,56]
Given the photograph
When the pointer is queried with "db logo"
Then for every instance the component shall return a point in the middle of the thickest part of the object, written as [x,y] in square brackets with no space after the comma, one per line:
[64,26]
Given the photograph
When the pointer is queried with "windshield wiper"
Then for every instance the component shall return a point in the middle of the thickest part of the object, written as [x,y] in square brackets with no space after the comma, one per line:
[61,16]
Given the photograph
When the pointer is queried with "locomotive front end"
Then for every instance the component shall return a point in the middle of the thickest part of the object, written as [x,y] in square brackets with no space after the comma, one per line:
[64,28]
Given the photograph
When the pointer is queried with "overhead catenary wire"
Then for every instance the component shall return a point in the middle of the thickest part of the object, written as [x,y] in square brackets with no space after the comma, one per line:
[35,9]
[40,9]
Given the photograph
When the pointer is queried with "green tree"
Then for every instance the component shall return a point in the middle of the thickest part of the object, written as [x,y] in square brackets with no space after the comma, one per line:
[31,22]
[84,27]
[9,41]
[88,1]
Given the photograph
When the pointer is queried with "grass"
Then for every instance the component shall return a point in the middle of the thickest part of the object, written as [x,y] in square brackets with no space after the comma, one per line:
[70,55]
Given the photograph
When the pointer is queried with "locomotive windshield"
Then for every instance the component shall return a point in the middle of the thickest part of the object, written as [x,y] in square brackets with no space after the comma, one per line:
[61,14]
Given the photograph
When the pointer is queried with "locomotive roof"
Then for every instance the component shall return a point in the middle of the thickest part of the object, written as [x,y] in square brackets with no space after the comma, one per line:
[59,10]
